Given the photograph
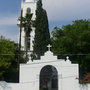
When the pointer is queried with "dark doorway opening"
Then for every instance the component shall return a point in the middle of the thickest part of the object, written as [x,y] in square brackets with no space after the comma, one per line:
[49,78]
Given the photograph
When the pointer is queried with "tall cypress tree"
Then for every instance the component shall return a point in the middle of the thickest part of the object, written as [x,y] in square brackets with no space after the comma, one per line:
[42,35]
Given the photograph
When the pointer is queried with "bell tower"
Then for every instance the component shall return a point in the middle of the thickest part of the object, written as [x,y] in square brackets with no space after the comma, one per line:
[28,5]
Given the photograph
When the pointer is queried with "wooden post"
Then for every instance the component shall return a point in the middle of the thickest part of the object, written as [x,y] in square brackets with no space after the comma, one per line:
[19,47]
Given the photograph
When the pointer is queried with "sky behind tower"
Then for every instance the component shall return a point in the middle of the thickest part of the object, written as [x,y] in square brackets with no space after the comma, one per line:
[60,12]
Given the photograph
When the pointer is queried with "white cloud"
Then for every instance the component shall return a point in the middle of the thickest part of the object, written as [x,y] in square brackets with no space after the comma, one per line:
[13,37]
[8,27]
[58,11]
[9,34]
[64,10]
[8,20]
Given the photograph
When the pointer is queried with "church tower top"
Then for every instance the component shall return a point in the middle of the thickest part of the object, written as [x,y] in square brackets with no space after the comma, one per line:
[29,0]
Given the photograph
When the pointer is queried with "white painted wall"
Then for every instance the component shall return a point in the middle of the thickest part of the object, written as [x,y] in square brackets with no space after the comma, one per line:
[29,74]
[67,72]
[26,86]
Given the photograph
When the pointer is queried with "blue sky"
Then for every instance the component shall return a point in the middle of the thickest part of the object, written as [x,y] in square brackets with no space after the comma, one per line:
[60,12]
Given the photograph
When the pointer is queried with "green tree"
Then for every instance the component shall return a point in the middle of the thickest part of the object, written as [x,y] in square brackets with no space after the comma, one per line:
[42,35]
[7,57]
[73,40]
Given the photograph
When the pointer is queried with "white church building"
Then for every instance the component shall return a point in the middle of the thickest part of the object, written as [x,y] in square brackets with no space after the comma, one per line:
[47,73]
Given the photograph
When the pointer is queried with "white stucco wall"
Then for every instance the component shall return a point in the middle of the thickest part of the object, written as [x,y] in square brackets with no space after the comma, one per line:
[67,72]
[30,72]
[26,86]
[23,40]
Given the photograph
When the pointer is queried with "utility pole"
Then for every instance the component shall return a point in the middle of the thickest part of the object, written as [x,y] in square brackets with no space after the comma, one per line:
[19,47]
[26,47]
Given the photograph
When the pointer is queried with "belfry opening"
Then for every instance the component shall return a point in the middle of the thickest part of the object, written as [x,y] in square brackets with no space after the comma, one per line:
[48,78]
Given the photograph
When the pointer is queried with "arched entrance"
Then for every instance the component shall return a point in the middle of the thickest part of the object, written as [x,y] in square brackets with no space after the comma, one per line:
[48,78]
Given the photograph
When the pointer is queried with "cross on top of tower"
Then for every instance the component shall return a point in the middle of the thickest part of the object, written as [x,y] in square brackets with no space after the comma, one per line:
[49,46]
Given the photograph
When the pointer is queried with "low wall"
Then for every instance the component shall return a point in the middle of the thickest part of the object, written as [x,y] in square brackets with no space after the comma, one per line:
[18,86]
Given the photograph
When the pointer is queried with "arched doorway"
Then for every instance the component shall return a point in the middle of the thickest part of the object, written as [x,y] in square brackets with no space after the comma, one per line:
[48,78]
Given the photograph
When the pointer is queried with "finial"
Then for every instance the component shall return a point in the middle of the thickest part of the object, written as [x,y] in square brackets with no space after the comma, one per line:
[49,46]
[67,58]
